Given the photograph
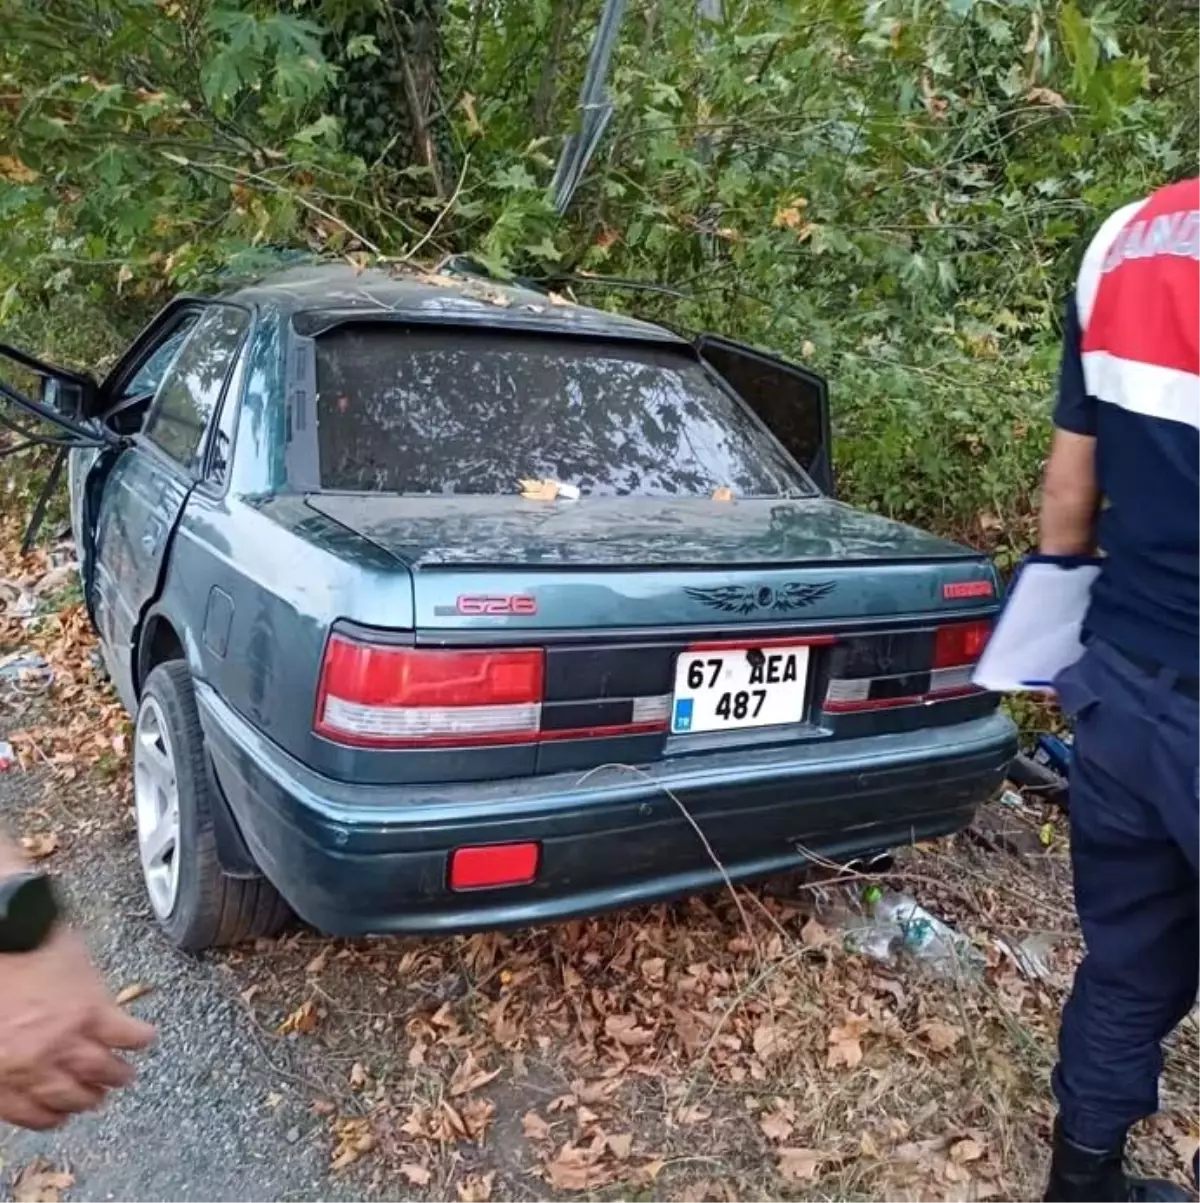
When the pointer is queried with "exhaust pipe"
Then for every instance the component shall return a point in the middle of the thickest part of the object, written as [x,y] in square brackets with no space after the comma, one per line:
[879,863]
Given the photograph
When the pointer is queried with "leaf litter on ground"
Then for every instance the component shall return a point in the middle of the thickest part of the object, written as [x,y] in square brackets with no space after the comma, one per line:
[714,1048]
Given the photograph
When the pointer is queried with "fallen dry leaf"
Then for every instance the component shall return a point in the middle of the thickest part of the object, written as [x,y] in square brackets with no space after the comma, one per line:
[798,1165]
[303,1019]
[468,1077]
[476,1188]
[129,993]
[708,1191]
[477,1116]
[813,935]
[575,1168]
[358,1076]
[534,1127]
[776,1126]
[963,1151]
[354,1138]
[941,1037]
[38,847]
[417,1175]
[625,1030]
[40,1182]
[620,1146]
[770,1041]
[318,963]
[845,1047]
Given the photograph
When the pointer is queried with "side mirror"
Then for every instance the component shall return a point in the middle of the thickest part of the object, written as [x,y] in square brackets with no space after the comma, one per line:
[65,397]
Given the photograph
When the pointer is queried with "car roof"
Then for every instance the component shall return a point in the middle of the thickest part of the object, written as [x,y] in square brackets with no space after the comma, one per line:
[335,292]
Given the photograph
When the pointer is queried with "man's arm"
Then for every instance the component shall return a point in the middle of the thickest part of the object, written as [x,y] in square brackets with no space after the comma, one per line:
[1070,495]
[59,1027]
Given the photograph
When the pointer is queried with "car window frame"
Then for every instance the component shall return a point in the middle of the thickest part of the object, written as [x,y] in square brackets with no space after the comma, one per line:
[197,468]
[807,374]
[302,458]
[232,395]
[148,341]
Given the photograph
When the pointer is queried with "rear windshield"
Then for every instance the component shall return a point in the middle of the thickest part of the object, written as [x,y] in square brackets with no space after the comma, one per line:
[460,411]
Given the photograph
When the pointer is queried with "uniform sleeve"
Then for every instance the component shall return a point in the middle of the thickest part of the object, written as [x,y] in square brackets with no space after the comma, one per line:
[1075,410]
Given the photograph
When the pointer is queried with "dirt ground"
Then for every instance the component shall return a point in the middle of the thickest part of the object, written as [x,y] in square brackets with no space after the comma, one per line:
[728,1047]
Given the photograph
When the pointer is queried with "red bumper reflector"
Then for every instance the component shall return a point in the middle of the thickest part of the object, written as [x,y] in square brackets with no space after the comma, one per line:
[493,865]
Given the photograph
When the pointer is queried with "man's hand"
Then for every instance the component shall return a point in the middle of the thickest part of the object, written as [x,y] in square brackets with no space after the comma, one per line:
[59,1028]
[1069,496]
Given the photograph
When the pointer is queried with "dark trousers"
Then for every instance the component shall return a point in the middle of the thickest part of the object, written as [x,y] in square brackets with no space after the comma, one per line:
[1135,831]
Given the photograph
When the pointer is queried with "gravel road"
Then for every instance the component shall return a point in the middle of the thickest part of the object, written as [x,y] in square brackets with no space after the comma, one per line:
[209,1117]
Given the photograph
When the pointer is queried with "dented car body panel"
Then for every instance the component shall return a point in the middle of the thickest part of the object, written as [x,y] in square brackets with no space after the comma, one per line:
[211,528]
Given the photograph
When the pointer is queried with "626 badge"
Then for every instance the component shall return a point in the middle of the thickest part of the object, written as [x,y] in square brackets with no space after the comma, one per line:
[739,687]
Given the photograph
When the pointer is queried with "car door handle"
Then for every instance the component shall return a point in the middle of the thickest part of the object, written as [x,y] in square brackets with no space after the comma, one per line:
[152,534]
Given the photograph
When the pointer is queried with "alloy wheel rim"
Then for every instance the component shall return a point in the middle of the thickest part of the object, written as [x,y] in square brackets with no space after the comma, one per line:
[156,803]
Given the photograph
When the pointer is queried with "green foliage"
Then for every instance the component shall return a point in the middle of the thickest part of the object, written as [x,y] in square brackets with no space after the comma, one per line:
[895,193]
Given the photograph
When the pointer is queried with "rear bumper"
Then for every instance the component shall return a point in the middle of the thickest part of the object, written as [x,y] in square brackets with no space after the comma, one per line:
[352,859]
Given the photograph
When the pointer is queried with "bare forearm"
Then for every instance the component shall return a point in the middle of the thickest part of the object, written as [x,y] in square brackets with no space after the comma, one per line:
[1069,497]
[1068,526]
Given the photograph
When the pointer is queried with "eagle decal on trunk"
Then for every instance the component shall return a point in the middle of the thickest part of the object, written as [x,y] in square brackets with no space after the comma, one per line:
[743,599]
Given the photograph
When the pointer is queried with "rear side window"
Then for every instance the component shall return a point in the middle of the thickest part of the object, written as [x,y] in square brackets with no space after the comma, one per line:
[460,411]
[193,384]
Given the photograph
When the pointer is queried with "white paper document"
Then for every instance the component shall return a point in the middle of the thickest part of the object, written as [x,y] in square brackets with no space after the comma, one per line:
[1038,632]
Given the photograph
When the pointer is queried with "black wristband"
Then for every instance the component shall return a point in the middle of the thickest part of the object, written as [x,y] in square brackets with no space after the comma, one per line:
[28,912]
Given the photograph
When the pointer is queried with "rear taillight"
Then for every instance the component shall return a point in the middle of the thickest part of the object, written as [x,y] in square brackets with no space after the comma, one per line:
[377,695]
[956,648]
[959,644]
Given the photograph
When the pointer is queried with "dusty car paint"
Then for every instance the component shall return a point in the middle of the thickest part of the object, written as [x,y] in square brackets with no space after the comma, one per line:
[245,572]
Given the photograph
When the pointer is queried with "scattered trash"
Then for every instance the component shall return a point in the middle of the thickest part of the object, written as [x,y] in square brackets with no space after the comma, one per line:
[8,757]
[23,606]
[548,490]
[26,672]
[882,924]
[724,493]
[1031,956]
[1054,753]
[1010,797]
[1038,777]
[57,578]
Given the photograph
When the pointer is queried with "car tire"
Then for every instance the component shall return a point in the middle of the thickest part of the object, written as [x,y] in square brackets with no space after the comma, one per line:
[201,907]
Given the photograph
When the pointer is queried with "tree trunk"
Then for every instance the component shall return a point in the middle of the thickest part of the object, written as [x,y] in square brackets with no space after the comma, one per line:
[390,103]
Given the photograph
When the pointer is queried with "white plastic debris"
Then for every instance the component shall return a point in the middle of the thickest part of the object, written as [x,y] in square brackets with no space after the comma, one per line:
[885,925]
[1031,956]
[7,756]
[27,672]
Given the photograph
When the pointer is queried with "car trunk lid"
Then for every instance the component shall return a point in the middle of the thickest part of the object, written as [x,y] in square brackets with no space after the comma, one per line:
[662,623]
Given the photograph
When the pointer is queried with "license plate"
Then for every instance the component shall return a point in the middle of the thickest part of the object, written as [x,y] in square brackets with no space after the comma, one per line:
[739,687]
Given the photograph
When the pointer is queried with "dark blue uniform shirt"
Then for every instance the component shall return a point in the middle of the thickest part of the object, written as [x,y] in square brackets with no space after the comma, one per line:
[1147,598]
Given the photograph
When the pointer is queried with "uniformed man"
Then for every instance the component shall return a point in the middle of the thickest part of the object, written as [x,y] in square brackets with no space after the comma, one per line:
[1122,478]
